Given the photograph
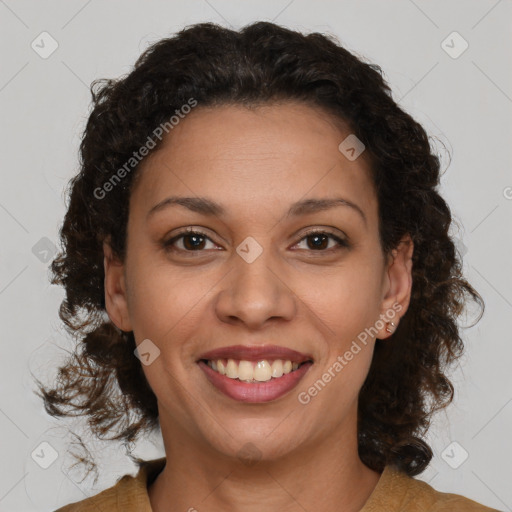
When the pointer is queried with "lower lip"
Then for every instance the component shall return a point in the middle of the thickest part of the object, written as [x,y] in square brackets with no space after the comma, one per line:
[256,392]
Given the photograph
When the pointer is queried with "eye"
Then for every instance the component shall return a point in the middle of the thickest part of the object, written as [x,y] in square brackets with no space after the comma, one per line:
[190,241]
[318,240]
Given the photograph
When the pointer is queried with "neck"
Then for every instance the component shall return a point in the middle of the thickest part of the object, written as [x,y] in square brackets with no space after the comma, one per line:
[326,475]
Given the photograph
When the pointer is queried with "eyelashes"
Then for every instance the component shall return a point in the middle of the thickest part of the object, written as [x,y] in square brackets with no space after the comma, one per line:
[193,235]
[319,234]
[195,241]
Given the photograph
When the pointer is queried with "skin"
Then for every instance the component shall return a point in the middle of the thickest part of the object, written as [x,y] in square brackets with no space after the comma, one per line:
[256,163]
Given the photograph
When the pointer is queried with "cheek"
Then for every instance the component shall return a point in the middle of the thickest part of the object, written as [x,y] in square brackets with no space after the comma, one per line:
[158,299]
[346,300]
[170,308]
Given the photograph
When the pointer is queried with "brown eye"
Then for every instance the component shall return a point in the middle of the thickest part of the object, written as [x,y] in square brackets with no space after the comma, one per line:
[193,242]
[319,241]
[189,241]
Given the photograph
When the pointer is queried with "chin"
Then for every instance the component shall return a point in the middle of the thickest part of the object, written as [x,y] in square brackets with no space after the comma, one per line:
[253,445]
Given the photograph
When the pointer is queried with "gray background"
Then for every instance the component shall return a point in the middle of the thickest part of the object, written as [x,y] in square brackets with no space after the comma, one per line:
[464,101]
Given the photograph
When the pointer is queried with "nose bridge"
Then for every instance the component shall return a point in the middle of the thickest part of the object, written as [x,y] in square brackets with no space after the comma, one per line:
[254,292]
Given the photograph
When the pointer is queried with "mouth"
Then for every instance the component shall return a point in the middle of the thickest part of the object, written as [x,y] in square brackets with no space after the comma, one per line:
[253,371]
[254,374]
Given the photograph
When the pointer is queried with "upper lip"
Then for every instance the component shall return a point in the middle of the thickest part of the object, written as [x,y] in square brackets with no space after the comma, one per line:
[256,353]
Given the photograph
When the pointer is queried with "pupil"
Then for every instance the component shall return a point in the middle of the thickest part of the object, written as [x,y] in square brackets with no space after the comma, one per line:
[197,241]
[316,238]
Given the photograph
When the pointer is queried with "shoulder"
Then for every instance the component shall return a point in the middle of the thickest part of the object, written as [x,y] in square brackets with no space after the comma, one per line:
[396,491]
[128,494]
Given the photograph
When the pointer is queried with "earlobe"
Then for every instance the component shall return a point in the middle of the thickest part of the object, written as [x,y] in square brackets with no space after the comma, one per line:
[115,289]
[399,275]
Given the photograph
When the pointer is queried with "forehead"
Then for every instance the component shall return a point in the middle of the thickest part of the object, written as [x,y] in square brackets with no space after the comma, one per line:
[253,158]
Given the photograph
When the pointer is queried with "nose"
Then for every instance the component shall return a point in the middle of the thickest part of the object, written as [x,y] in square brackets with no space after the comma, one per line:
[255,293]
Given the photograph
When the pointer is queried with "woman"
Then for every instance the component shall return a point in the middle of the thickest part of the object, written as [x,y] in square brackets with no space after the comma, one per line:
[261,223]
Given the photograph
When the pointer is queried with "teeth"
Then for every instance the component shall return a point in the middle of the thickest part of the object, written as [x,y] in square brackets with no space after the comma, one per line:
[251,371]
[245,371]
[262,371]
[277,368]
[232,369]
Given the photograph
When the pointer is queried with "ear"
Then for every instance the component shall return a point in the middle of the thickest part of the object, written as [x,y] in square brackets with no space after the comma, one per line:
[115,289]
[399,285]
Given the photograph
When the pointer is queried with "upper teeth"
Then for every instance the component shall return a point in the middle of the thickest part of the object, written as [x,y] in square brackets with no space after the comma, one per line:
[253,370]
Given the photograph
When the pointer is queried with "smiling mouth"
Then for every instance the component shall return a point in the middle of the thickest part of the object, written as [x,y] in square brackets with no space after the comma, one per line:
[262,370]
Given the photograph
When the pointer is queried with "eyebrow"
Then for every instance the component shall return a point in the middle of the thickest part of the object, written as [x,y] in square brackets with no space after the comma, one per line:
[206,206]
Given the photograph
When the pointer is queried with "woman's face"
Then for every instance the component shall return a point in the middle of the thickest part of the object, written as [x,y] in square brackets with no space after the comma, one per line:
[256,277]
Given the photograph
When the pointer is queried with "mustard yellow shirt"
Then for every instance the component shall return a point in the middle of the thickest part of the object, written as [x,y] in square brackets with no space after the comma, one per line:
[395,492]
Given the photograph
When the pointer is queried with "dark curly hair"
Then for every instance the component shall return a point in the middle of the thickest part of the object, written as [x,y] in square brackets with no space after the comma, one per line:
[262,63]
